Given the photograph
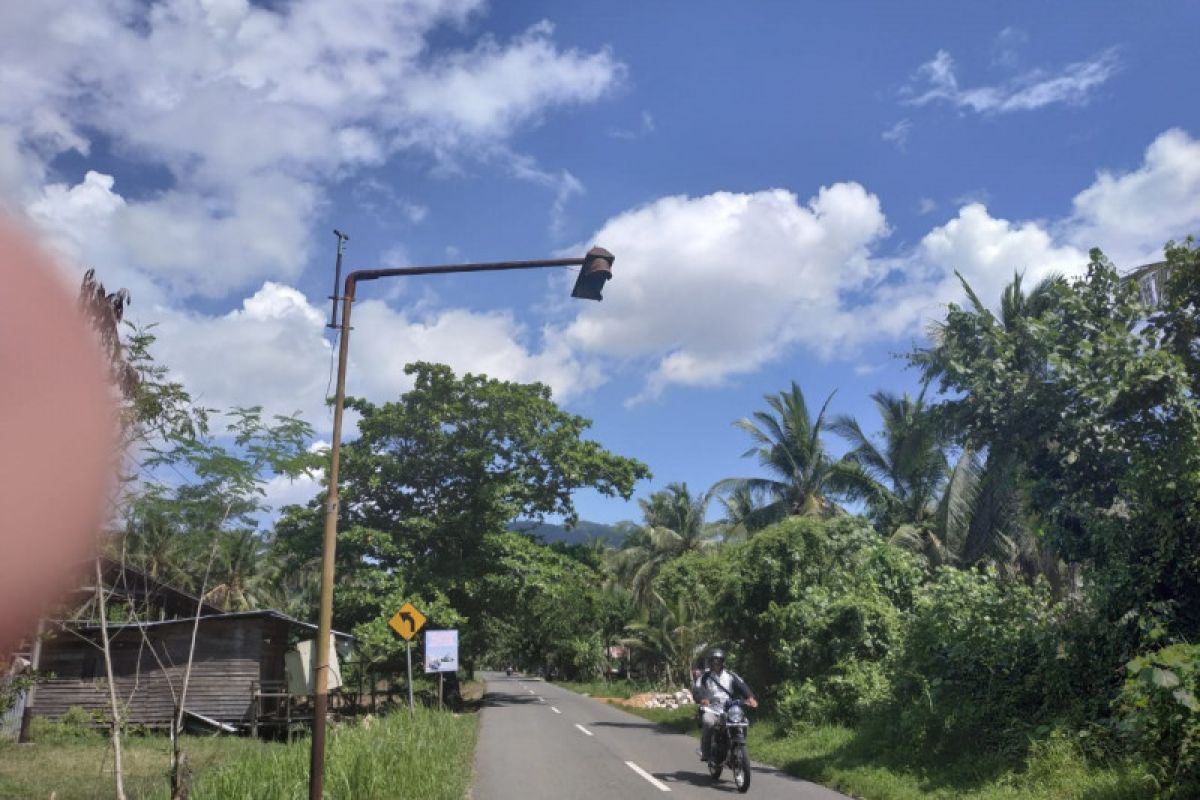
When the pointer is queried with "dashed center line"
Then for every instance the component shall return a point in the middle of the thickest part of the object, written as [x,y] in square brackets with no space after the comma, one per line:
[555,710]
[662,787]
[585,730]
[541,699]
[529,690]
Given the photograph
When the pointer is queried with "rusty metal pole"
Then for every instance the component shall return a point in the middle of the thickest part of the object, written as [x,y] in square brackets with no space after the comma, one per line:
[337,277]
[596,271]
[316,773]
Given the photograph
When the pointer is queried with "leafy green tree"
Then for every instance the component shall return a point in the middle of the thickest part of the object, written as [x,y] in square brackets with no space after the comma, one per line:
[808,596]
[433,481]
[788,444]
[1090,393]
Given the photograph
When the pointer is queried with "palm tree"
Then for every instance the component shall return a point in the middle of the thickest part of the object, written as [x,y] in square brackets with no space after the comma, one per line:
[788,445]
[673,634]
[237,572]
[1017,309]
[745,513]
[999,529]
[674,525]
[899,479]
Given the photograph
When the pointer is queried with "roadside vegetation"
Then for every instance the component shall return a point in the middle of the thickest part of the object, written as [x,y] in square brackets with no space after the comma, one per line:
[1013,612]
[997,595]
[425,755]
[863,764]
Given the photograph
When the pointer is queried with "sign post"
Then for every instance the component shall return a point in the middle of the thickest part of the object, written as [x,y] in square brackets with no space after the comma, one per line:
[406,622]
[441,656]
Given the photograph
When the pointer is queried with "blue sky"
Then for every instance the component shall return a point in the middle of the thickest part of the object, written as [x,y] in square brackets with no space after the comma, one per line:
[787,187]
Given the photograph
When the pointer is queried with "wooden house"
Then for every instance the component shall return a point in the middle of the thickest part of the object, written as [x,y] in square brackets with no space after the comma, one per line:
[239,657]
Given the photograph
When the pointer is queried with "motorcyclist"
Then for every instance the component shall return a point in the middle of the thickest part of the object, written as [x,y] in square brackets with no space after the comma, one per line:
[715,687]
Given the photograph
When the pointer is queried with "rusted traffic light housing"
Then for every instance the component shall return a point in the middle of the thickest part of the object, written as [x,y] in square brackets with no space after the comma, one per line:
[595,272]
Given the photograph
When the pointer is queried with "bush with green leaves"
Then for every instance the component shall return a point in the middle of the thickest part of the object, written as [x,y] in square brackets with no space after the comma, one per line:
[817,608]
[980,665]
[1160,715]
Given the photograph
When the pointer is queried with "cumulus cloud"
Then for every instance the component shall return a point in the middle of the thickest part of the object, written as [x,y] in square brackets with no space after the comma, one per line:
[1130,215]
[250,110]
[284,362]
[712,287]
[936,81]
[719,285]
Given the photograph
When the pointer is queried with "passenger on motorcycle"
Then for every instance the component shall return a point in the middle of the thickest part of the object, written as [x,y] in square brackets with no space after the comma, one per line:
[715,687]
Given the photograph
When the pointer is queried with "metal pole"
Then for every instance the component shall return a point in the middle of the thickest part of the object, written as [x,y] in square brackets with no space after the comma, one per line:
[316,772]
[441,688]
[408,650]
[337,277]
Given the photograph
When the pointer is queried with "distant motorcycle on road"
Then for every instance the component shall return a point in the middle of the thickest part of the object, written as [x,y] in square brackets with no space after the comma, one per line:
[729,745]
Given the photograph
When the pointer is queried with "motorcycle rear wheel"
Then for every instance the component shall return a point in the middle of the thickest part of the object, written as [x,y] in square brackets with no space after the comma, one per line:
[741,769]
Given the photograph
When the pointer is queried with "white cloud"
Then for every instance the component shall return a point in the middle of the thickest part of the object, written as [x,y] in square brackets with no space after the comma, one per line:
[487,92]
[898,134]
[719,285]
[284,491]
[711,287]
[936,81]
[250,110]
[273,352]
[1131,215]
[987,251]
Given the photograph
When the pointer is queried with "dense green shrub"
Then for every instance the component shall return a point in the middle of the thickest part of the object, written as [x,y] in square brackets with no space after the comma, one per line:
[816,606]
[842,695]
[1160,714]
[980,663]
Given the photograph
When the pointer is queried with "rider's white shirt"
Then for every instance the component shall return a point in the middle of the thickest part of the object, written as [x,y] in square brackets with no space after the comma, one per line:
[719,689]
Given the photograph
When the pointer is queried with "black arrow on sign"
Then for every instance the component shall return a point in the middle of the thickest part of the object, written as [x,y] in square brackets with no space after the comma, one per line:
[412,623]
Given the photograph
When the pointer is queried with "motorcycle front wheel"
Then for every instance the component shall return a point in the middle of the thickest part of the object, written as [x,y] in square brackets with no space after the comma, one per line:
[741,769]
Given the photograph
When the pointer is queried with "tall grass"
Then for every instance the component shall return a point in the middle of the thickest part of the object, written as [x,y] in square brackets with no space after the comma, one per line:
[427,755]
[856,762]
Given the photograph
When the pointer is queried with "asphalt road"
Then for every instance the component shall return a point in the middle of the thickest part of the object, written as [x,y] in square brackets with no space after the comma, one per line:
[540,741]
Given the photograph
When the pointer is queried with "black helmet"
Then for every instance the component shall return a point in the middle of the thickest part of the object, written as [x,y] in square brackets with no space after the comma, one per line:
[715,655]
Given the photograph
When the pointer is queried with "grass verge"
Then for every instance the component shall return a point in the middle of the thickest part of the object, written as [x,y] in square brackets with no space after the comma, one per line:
[856,763]
[428,755]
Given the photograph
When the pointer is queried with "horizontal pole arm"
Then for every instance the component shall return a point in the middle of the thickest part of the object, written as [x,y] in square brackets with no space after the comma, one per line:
[360,275]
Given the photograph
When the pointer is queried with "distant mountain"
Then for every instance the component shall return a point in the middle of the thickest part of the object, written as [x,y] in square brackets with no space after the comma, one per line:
[582,533]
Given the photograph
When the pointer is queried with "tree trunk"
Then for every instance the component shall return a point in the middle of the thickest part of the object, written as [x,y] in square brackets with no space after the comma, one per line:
[114,707]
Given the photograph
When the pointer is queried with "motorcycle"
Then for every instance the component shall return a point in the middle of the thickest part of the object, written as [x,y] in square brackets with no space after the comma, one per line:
[729,746]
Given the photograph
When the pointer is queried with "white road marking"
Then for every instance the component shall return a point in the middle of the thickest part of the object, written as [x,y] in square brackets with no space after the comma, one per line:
[662,787]
[555,710]
[529,690]
[585,730]
[541,699]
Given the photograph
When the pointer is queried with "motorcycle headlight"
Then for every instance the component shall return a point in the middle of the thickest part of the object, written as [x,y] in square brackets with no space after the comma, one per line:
[736,714]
